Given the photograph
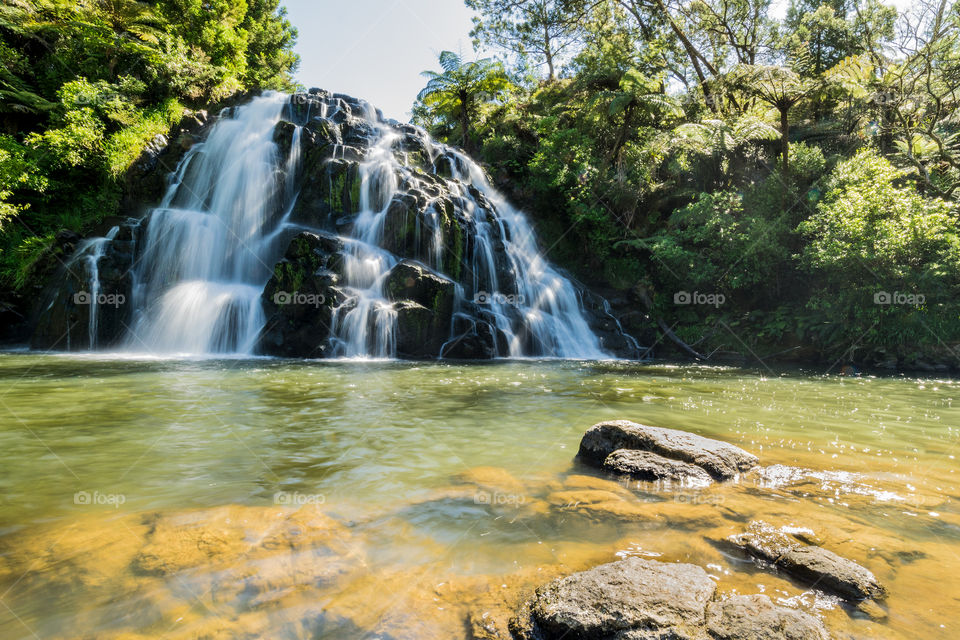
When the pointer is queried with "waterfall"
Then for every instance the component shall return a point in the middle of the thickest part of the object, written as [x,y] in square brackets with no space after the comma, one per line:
[206,253]
[206,248]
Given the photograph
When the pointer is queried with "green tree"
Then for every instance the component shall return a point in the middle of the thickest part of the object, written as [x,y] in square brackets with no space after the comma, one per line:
[542,29]
[458,92]
[84,86]
[780,88]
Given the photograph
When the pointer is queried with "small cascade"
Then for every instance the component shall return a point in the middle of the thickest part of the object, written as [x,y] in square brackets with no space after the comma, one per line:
[309,226]
[365,325]
[86,260]
[546,300]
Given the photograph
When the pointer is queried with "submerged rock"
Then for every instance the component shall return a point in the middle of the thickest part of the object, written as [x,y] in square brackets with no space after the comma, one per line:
[810,564]
[722,461]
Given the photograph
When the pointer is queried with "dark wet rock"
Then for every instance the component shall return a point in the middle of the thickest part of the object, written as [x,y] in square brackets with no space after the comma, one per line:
[424,307]
[416,217]
[639,599]
[421,332]
[607,327]
[629,599]
[411,280]
[91,297]
[757,618]
[330,189]
[809,564]
[475,340]
[721,460]
[646,465]
[300,298]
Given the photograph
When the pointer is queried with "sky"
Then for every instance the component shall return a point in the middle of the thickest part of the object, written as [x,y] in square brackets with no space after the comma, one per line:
[376,49]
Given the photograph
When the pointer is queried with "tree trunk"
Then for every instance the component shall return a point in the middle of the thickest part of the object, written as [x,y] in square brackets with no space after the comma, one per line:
[785,139]
[465,126]
[695,58]
[548,52]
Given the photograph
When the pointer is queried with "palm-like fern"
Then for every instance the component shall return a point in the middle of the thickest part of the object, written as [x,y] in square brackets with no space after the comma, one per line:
[459,90]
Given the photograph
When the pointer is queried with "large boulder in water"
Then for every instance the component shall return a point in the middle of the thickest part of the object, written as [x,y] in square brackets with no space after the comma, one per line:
[475,339]
[808,563]
[639,599]
[721,460]
[300,298]
[421,332]
[624,599]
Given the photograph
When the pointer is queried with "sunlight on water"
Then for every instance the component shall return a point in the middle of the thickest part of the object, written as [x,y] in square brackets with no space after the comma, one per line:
[173,498]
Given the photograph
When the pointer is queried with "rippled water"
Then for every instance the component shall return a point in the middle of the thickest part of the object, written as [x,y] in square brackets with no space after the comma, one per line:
[116,473]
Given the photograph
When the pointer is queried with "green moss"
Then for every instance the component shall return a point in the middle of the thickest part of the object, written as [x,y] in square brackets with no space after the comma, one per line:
[288,276]
[354,178]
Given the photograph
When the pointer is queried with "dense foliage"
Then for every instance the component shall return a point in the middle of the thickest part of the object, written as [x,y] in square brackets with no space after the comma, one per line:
[86,84]
[800,174]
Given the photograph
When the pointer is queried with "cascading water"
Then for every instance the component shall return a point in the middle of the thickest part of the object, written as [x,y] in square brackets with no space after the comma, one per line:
[206,249]
[367,327]
[206,256]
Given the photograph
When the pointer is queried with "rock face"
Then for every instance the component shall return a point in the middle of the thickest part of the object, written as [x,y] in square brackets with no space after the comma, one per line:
[638,599]
[667,453]
[89,305]
[424,306]
[810,564]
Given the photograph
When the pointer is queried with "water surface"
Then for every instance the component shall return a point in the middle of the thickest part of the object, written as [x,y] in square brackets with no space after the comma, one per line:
[143,498]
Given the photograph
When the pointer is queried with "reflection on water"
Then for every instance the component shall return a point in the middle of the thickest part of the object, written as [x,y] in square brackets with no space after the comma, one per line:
[243,498]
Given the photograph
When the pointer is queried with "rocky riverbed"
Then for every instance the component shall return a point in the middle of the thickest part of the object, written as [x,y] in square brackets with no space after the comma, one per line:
[643,552]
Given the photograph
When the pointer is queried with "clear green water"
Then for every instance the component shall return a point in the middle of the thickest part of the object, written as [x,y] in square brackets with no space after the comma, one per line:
[378,447]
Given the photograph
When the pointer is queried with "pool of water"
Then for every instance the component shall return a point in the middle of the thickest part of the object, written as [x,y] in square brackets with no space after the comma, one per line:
[148,498]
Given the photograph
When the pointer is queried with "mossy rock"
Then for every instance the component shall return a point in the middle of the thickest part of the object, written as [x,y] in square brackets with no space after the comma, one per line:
[411,280]
[421,332]
[301,296]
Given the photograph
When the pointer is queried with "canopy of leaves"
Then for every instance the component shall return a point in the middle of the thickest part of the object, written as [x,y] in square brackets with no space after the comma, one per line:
[85,85]
[795,165]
